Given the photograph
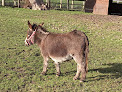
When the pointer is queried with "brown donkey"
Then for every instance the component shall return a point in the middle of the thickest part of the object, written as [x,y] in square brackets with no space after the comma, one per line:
[60,47]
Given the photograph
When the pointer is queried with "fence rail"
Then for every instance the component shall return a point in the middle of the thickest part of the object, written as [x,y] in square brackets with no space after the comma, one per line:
[10,3]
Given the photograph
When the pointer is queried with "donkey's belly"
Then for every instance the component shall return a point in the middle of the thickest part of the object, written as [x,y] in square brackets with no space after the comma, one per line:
[61,59]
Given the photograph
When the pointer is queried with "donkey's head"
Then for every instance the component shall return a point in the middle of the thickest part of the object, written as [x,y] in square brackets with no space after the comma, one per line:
[33,32]
[30,34]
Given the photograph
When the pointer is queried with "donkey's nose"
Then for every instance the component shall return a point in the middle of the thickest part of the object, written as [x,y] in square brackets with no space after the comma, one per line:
[26,43]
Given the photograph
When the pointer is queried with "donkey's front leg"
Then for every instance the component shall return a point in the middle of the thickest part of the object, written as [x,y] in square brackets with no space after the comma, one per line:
[45,64]
[57,69]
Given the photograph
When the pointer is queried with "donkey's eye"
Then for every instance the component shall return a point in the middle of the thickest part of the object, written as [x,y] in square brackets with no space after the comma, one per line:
[29,33]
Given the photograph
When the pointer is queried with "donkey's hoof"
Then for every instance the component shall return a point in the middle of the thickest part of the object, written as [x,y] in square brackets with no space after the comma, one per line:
[75,78]
[82,81]
[43,73]
[58,74]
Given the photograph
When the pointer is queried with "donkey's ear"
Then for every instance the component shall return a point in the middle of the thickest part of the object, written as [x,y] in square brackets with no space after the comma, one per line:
[29,24]
[41,24]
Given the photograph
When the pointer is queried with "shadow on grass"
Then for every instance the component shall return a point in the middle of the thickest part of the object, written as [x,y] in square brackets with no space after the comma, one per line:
[64,74]
[113,71]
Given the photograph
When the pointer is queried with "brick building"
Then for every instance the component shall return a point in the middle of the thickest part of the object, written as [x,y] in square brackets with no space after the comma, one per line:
[104,7]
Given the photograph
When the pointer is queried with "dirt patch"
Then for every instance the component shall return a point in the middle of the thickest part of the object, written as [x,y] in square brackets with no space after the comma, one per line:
[100,21]
[100,18]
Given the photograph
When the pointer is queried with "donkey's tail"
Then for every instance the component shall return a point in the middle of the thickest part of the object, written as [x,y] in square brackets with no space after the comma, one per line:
[86,53]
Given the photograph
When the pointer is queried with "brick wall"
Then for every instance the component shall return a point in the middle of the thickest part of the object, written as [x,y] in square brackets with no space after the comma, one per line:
[101,7]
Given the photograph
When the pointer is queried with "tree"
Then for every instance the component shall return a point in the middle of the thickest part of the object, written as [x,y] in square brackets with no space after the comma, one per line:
[35,4]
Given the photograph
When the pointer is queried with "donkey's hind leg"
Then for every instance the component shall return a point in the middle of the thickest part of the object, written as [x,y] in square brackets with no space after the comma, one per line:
[78,73]
[78,60]
[80,67]
[83,72]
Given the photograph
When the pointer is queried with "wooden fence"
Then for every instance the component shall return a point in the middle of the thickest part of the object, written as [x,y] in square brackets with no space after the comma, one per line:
[67,5]
[70,5]
[8,3]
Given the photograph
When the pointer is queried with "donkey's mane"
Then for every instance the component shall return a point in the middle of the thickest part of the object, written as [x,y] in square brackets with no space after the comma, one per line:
[42,28]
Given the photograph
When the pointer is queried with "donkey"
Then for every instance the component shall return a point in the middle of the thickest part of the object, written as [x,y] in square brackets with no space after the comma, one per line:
[60,47]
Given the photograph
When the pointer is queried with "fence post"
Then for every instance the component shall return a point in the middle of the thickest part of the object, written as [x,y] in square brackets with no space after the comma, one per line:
[18,3]
[48,3]
[60,3]
[83,5]
[3,2]
[15,3]
[67,4]
[72,4]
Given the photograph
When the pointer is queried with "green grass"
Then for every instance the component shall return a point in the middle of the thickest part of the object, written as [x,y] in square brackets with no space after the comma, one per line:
[20,66]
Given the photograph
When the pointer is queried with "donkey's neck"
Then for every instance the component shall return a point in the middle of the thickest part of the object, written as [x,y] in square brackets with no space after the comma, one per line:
[39,38]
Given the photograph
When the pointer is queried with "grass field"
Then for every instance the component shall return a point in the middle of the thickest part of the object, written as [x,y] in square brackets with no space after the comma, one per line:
[20,66]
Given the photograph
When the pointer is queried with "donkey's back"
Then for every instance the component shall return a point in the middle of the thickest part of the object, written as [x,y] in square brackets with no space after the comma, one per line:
[60,45]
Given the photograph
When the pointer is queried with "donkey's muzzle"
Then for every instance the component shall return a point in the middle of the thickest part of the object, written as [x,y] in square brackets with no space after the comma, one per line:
[26,42]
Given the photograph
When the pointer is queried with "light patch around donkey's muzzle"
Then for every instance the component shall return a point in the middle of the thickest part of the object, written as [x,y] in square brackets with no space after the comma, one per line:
[26,42]
[30,40]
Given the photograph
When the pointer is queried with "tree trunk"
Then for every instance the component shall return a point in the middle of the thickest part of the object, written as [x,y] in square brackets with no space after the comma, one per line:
[3,2]
[36,4]
[27,4]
